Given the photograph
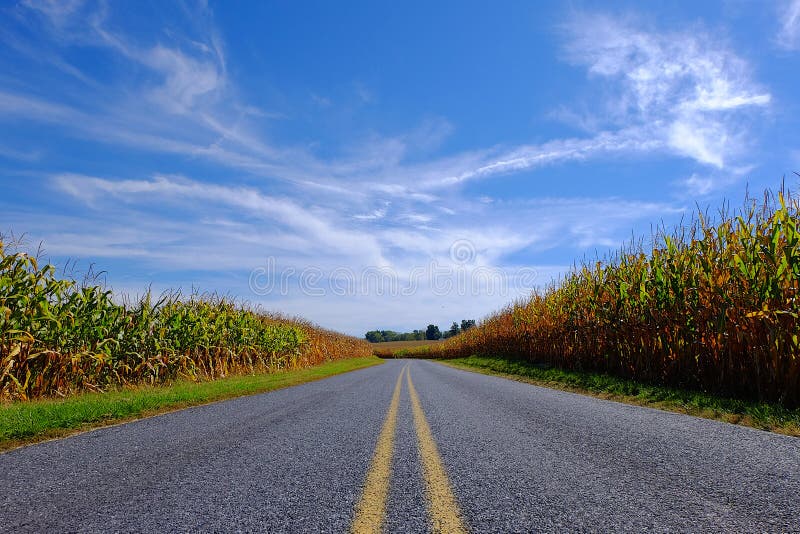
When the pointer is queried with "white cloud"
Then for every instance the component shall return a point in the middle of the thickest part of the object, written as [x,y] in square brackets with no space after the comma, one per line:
[172,228]
[417,218]
[475,166]
[789,35]
[722,100]
[363,93]
[321,101]
[324,233]
[382,200]
[311,224]
[22,155]
[682,87]
[677,93]
[374,215]
[703,142]
[430,134]
[701,184]
[24,106]
[697,185]
[58,12]
[186,79]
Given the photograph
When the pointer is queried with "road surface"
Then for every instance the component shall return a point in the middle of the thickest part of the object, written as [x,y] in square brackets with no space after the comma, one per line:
[409,446]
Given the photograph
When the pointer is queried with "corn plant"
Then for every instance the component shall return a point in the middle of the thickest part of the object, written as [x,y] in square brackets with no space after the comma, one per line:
[710,306]
[58,337]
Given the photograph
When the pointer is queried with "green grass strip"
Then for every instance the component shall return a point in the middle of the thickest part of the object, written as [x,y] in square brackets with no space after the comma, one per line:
[30,421]
[763,416]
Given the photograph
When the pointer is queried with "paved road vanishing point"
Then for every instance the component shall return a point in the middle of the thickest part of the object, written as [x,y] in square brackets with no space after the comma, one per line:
[407,446]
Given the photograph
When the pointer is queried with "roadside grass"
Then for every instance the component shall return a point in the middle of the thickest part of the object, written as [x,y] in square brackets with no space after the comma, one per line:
[764,416]
[26,422]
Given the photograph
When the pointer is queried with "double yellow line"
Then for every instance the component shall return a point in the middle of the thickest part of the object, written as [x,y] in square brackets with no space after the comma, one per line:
[442,506]
[371,508]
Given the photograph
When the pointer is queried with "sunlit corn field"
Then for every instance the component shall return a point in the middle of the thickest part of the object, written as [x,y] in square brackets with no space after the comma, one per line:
[389,348]
[707,306]
[58,336]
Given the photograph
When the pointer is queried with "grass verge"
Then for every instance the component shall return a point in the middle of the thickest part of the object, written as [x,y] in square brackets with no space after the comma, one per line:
[22,423]
[763,416]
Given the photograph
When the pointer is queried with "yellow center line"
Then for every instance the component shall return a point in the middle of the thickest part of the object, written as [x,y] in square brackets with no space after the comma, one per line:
[444,511]
[371,509]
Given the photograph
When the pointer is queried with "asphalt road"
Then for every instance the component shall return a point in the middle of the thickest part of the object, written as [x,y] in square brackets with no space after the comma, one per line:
[515,458]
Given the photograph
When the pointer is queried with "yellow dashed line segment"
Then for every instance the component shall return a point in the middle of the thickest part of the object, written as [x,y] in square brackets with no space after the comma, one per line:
[444,512]
[371,509]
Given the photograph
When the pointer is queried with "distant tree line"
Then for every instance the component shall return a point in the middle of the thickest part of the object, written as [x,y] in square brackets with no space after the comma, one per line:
[379,336]
[431,333]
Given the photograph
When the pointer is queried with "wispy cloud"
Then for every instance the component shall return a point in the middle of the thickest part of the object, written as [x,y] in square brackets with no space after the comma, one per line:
[297,232]
[22,155]
[58,12]
[12,104]
[683,88]
[375,199]
[789,35]
[374,215]
[697,185]
[185,79]
[533,156]
[677,92]
[319,233]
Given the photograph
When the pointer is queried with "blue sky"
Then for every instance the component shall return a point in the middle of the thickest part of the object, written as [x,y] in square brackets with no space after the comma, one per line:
[285,152]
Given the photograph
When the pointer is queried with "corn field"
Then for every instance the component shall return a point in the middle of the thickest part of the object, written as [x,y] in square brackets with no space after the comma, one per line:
[58,337]
[712,307]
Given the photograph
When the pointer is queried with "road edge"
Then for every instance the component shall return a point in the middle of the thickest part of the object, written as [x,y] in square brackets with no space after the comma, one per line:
[272,382]
[788,429]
